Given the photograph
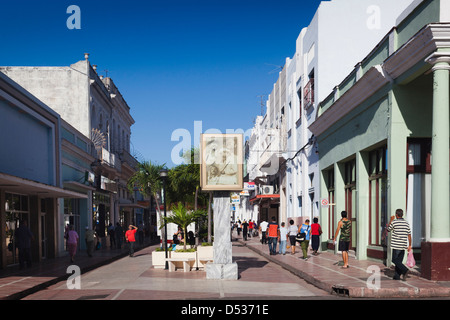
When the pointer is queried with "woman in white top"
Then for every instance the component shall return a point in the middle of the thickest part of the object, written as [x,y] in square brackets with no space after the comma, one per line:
[292,232]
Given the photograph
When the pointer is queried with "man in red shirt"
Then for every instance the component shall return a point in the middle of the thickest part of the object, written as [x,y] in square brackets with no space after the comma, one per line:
[274,235]
[250,227]
[130,238]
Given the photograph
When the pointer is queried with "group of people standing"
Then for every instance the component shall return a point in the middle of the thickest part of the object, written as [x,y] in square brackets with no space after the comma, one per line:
[272,233]
[248,229]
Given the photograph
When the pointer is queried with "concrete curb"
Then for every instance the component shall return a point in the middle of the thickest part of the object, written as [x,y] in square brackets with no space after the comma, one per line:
[345,290]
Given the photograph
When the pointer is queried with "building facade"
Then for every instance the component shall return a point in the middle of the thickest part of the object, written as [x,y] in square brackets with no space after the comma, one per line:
[98,122]
[326,51]
[383,137]
[30,173]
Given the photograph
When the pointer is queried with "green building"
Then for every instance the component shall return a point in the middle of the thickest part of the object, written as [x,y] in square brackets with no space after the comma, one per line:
[383,137]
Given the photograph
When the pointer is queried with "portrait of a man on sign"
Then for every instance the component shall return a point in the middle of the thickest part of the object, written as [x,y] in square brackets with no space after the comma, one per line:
[222,158]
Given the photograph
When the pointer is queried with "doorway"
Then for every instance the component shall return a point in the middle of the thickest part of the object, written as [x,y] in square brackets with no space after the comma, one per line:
[350,199]
[17,210]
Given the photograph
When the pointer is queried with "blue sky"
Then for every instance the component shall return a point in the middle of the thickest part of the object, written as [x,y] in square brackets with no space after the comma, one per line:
[174,61]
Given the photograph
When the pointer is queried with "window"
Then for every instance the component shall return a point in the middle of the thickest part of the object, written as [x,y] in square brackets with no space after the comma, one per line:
[308,91]
[419,155]
[350,198]
[377,196]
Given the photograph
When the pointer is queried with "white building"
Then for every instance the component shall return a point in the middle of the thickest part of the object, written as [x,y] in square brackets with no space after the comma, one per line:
[339,35]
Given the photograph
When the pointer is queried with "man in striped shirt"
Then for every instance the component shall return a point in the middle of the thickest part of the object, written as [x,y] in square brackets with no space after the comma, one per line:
[401,235]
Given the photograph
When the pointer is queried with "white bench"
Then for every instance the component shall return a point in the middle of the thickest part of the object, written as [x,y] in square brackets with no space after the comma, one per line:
[203,262]
[186,265]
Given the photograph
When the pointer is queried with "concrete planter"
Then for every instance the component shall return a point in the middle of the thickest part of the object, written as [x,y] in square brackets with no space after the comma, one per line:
[159,259]
[204,255]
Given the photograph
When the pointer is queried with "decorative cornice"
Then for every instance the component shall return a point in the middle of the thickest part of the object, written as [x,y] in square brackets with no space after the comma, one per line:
[372,81]
[428,40]
[440,60]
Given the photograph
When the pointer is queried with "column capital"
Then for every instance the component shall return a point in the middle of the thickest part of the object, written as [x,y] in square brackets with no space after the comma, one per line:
[439,60]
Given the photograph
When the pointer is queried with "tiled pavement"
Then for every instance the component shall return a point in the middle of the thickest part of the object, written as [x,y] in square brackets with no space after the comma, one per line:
[323,271]
[363,279]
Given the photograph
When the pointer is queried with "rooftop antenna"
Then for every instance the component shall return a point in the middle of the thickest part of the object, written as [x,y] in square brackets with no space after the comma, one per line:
[106,73]
[277,69]
[263,105]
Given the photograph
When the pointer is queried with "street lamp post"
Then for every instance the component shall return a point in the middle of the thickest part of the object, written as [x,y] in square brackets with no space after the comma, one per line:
[163,175]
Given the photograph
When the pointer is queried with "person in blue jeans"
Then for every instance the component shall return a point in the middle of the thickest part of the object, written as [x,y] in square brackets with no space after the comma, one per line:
[305,228]
[273,232]
[283,238]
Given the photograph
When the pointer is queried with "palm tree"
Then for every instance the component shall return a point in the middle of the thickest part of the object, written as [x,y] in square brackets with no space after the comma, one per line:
[183,218]
[185,178]
[148,181]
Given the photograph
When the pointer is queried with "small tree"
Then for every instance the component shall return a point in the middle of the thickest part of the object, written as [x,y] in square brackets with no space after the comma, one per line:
[147,180]
[183,218]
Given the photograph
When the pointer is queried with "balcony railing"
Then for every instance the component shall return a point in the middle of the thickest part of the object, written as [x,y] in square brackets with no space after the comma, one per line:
[308,94]
[108,158]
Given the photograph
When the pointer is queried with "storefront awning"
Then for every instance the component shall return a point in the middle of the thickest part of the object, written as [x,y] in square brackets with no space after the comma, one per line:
[132,205]
[76,186]
[15,184]
[266,197]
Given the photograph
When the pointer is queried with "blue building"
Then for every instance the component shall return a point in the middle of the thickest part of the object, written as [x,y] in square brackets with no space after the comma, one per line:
[30,172]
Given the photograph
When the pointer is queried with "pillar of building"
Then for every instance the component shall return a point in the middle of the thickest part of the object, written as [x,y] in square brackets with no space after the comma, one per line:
[435,259]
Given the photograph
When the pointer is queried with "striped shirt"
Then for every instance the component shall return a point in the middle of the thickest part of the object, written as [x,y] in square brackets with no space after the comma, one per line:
[400,231]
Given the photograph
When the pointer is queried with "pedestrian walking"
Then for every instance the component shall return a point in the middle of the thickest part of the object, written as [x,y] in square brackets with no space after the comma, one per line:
[344,227]
[316,231]
[118,232]
[400,241]
[263,229]
[72,243]
[112,236]
[130,237]
[23,238]
[89,236]
[141,234]
[239,227]
[274,235]
[245,230]
[283,238]
[250,228]
[305,228]
[293,230]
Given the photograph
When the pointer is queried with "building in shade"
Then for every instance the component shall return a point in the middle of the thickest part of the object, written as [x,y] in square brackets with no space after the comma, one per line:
[97,128]
[30,172]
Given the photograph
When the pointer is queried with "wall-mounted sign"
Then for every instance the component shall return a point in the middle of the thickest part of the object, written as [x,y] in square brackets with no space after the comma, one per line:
[235,198]
[249,186]
[89,177]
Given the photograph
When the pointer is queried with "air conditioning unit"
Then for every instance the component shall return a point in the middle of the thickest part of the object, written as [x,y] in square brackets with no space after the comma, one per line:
[266,190]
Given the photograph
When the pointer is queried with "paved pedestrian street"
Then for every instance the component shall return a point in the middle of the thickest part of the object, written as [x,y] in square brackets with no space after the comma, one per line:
[136,279]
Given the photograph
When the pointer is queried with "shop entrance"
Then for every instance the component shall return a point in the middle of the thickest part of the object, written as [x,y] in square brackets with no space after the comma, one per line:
[17,209]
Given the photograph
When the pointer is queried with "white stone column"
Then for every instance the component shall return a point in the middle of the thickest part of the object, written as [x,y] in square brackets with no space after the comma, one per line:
[223,267]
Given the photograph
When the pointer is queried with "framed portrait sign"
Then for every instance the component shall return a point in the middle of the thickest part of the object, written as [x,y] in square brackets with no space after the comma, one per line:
[221,166]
